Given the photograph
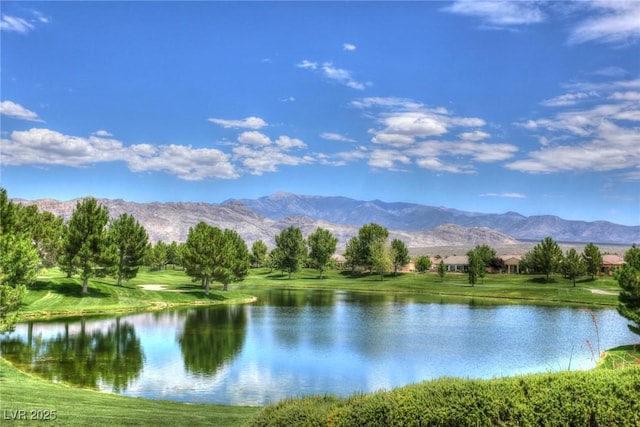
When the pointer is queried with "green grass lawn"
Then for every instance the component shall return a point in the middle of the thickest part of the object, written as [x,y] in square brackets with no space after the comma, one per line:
[82,407]
[55,295]
[496,289]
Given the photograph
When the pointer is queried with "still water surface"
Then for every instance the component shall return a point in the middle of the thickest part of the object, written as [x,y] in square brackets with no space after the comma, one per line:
[291,343]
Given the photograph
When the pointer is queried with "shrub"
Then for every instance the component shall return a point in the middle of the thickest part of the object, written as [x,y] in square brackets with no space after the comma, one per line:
[592,398]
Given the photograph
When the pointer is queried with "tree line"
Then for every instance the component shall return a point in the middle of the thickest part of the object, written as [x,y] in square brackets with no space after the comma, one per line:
[90,244]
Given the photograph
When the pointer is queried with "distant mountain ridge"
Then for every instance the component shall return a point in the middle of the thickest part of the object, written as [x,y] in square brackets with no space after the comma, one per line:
[417,225]
[171,221]
[415,217]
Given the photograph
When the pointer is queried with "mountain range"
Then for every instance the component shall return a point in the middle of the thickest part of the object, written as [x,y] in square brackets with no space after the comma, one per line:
[419,226]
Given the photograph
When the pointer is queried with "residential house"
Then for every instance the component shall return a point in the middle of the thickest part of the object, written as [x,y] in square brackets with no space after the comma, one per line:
[610,263]
[457,263]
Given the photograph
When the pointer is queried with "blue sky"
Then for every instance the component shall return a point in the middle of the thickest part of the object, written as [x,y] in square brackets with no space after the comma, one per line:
[521,106]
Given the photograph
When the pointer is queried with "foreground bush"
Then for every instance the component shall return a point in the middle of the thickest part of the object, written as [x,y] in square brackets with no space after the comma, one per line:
[593,398]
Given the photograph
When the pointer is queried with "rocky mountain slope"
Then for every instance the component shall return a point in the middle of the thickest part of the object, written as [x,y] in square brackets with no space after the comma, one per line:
[171,221]
[414,217]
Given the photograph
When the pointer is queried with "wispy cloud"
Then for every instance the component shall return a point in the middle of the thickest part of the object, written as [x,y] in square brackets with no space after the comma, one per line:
[248,123]
[499,14]
[331,136]
[568,99]
[505,195]
[333,73]
[597,137]
[16,24]
[349,47]
[17,111]
[615,22]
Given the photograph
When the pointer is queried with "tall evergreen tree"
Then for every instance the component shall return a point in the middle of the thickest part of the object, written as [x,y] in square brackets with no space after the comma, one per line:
[130,241]
[573,265]
[322,246]
[547,257]
[593,259]
[258,253]
[85,245]
[442,270]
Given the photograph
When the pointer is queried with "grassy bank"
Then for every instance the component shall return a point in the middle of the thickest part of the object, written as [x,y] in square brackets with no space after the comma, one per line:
[496,289]
[54,295]
[82,407]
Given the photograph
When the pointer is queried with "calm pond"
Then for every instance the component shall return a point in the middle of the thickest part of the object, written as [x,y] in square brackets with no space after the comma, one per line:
[291,343]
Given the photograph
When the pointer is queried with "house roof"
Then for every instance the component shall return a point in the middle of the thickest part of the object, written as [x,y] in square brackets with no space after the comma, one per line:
[612,260]
[456,260]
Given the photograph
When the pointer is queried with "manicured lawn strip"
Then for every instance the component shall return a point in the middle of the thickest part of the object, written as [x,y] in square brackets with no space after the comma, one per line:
[82,407]
[55,295]
[496,289]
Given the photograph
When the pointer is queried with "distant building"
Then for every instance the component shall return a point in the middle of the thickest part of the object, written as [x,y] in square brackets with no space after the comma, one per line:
[457,264]
[511,263]
[610,263]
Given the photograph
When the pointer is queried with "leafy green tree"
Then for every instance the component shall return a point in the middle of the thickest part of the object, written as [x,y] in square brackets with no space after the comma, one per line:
[322,246]
[258,253]
[352,253]
[573,266]
[593,259]
[423,263]
[85,248]
[381,257]
[130,241]
[477,268]
[546,257]
[273,260]
[234,264]
[292,249]
[442,270]
[400,255]
[629,280]
[367,235]
[213,254]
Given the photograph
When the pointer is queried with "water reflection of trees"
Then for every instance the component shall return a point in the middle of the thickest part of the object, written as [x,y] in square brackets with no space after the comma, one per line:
[212,337]
[89,359]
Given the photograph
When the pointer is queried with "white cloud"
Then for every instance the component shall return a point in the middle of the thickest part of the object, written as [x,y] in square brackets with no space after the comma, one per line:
[248,123]
[476,135]
[435,164]
[506,195]
[568,99]
[349,47]
[48,147]
[187,163]
[338,75]
[387,102]
[387,159]
[102,133]
[254,138]
[604,137]
[611,72]
[341,76]
[13,24]
[287,143]
[308,65]
[612,22]
[17,111]
[331,136]
[499,14]
[257,162]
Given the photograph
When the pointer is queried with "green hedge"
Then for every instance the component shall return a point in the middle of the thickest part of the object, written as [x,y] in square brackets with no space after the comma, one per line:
[592,398]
